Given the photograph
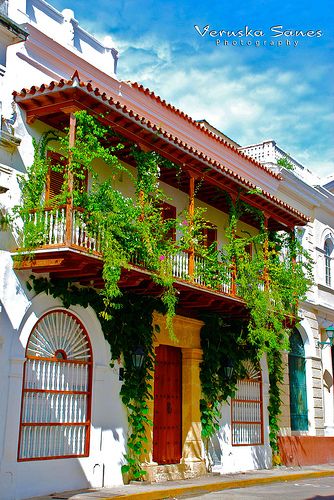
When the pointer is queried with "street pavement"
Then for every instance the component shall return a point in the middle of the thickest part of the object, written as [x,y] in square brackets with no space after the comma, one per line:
[307,489]
[283,481]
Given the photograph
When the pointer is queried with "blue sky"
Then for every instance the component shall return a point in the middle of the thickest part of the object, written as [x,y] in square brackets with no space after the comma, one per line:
[251,93]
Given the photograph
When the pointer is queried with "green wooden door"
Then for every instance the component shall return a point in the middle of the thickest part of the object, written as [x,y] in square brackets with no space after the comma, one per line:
[297,380]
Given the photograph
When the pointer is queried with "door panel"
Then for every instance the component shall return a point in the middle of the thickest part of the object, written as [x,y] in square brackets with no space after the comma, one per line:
[167,423]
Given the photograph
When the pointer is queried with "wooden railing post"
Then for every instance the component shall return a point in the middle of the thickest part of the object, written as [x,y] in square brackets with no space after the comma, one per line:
[233,265]
[70,182]
[191,212]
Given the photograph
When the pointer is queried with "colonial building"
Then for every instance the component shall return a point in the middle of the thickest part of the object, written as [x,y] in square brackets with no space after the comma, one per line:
[62,418]
[307,421]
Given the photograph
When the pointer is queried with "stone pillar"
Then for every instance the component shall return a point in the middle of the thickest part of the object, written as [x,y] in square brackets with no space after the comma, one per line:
[191,418]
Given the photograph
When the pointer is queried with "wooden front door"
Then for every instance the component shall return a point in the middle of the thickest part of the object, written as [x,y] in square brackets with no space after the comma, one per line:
[167,422]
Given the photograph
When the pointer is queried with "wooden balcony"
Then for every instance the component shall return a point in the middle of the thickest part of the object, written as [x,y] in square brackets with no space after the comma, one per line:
[67,250]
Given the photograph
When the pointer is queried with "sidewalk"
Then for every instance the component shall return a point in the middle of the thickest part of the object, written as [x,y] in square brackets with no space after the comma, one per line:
[205,484]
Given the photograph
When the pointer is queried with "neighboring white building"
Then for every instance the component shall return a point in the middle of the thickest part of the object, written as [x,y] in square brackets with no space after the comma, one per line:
[314,197]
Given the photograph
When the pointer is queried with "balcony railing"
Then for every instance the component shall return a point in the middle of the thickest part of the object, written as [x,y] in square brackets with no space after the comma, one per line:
[64,226]
[181,270]
[52,228]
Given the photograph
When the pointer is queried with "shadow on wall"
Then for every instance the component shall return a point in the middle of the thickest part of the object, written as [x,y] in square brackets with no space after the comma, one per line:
[261,456]
[319,497]
[224,455]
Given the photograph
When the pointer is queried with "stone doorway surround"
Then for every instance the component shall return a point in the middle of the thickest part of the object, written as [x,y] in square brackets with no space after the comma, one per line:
[192,464]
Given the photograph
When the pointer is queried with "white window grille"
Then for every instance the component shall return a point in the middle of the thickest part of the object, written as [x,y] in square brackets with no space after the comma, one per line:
[246,408]
[56,391]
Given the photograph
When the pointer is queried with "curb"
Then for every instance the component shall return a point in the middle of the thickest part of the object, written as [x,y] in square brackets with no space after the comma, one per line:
[217,486]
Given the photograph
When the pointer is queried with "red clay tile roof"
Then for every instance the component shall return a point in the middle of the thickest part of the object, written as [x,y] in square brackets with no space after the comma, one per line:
[22,95]
[202,127]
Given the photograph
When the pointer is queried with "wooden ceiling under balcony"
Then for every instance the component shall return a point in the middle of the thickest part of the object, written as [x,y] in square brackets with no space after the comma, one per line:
[85,269]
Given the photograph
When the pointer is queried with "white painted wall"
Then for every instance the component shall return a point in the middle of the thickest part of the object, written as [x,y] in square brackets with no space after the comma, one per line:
[108,429]
[228,458]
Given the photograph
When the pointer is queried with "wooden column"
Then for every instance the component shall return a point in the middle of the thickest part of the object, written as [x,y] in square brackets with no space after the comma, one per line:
[141,194]
[191,211]
[233,265]
[70,182]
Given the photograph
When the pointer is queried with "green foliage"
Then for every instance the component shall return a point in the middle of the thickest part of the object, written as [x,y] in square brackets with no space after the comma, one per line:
[33,186]
[222,342]
[276,370]
[285,162]
[271,281]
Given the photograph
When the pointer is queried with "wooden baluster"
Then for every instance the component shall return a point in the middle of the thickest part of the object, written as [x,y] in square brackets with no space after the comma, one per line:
[233,290]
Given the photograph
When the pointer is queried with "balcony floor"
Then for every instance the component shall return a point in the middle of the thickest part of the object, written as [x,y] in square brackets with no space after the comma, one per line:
[63,262]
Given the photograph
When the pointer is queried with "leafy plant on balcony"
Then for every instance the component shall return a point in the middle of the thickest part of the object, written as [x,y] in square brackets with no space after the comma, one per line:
[130,233]
[272,281]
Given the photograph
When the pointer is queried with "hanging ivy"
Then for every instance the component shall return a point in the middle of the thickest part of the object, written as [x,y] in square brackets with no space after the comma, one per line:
[133,233]
[271,282]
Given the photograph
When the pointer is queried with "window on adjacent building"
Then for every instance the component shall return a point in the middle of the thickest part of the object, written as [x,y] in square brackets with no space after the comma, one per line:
[328,251]
[246,408]
[297,383]
[56,392]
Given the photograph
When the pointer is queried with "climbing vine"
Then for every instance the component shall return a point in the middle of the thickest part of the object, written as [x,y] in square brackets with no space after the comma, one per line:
[271,281]
[131,233]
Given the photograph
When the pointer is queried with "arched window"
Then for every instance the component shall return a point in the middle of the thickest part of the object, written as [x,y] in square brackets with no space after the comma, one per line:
[56,391]
[246,407]
[328,251]
[297,382]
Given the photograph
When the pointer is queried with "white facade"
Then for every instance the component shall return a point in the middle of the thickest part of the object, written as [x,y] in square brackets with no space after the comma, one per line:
[314,197]
[55,48]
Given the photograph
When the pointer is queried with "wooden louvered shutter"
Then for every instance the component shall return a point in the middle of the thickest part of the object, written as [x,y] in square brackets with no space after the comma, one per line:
[55,179]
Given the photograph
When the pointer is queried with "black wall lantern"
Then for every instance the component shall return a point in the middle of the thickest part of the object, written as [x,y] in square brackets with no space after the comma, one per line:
[228,368]
[138,356]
